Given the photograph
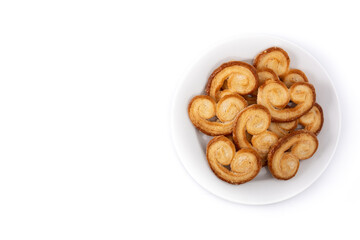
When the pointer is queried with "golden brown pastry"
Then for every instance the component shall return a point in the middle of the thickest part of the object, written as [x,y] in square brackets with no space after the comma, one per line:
[229,165]
[313,120]
[262,143]
[266,74]
[294,76]
[254,113]
[254,120]
[224,92]
[240,78]
[273,58]
[283,128]
[202,108]
[275,96]
[284,156]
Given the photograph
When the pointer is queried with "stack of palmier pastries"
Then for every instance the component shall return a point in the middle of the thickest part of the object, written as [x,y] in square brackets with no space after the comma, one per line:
[263,114]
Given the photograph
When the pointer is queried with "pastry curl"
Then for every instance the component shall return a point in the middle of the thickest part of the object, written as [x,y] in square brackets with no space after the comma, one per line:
[224,92]
[202,108]
[262,143]
[283,128]
[294,76]
[265,75]
[274,58]
[275,96]
[313,120]
[229,165]
[240,78]
[254,120]
[229,106]
[284,156]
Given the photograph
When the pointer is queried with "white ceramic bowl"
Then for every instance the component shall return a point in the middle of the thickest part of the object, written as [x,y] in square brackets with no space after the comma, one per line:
[190,144]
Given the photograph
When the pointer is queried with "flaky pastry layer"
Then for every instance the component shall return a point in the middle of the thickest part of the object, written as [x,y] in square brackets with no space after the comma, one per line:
[284,156]
[265,75]
[240,78]
[313,120]
[283,128]
[202,108]
[294,76]
[254,121]
[231,166]
[273,58]
[275,96]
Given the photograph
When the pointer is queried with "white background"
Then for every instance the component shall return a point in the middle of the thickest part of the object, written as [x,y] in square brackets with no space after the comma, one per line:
[85,96]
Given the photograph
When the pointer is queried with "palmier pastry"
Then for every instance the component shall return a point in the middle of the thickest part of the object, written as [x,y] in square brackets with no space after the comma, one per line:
[313,120]
[254,120]
[294,76]
[225,92]
[262,143]
[283,128]
[284,156]
[266,74]
[229,165]
[274,58]
[202,108]
[240,78]
[275,96]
